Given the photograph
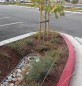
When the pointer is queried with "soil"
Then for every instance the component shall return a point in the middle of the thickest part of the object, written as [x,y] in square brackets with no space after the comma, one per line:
[8,61]
[54,75]
[10,57]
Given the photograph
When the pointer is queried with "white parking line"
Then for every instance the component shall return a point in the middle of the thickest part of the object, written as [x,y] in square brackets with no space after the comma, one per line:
[22,25]
[69,14]
[10,24]
[4,17]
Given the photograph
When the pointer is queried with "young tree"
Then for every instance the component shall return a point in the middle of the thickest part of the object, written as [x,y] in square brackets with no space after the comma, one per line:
[48,6]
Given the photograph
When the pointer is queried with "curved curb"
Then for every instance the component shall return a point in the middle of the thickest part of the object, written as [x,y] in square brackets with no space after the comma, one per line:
[13,39]
[67,72]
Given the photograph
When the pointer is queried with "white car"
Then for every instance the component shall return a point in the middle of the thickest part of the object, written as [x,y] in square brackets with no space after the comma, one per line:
[2,1]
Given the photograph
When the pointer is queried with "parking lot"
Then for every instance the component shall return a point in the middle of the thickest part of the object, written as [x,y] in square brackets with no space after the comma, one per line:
[15,20]
[13,23]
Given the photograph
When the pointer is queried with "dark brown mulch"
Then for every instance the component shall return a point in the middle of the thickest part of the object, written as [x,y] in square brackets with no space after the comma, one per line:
[8,61]
[54,75]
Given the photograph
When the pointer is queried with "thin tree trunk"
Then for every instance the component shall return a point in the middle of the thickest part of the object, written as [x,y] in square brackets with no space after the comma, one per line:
[45,23]
[46,13]
[48,19]
[40,20]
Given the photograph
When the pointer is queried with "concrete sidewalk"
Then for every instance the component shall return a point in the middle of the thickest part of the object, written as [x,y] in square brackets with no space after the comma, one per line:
[76,77]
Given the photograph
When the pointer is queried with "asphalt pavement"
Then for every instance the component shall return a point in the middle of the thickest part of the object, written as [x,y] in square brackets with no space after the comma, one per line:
[18,20]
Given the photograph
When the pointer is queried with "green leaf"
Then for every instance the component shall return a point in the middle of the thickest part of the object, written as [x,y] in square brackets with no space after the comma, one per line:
[56,16]
[62,13]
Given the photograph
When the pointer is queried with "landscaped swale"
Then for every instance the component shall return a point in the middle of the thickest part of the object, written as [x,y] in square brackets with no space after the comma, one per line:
[49,46]
[51,50]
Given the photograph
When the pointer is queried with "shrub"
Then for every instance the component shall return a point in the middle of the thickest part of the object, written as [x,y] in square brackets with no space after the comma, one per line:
[42,48]
[55,54]
[29,42]
[35,36]
[39,70]
[56,35]
[56,41]
[21,46]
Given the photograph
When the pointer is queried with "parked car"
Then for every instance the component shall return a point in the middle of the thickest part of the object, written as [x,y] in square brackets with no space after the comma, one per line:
[2,1]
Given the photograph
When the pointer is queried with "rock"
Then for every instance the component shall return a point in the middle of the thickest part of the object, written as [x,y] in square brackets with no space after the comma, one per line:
[19,74]
[10,78]
[27,73]
[11,84]
[19,71]
[16,71]
[23,69]
[37,59]
[26,59]
[14,79]
[7,80]
[20,78]
[14,74]
[29,58]
[5,83]
[16,83]
[22,64]
[2,85]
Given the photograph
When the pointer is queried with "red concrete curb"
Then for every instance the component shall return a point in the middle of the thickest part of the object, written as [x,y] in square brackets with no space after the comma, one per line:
[67,72]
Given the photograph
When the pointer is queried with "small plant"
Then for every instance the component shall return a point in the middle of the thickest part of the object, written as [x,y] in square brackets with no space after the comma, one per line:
[38,71]
[19,47]
[22,47]
[29,42]
[56,41]
[42,48]
[35,36]
[55,35]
